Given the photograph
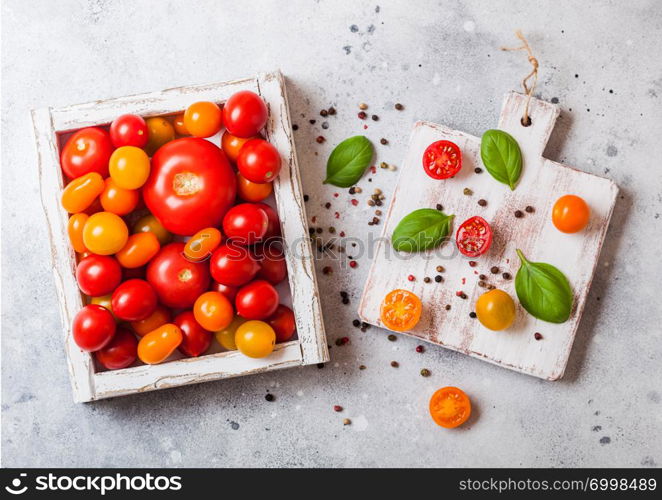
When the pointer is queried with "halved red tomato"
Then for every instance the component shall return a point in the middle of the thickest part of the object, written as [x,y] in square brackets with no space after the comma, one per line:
[442,159]
[474,237]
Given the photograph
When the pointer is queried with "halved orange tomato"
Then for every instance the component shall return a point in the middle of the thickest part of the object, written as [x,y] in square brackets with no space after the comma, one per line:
[450,407]
[400,310]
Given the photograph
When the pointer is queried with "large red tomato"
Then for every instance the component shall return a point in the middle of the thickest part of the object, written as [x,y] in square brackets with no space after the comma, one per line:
[87,150]
[191,185]
[120,352]
[257,300]
[134,300]
[233,265]
[98,275]
[195,339]
[93,327]
[176,280]
[244,114]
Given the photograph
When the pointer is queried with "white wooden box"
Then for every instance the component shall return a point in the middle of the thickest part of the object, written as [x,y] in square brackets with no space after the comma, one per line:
[310,347]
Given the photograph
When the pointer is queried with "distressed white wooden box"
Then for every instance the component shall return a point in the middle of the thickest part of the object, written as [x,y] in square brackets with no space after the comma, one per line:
[310,347]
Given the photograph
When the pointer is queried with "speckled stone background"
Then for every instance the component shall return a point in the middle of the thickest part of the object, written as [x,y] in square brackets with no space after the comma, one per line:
[600,60]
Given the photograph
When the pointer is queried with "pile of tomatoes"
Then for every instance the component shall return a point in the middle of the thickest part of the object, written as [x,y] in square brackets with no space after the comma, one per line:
[175,244]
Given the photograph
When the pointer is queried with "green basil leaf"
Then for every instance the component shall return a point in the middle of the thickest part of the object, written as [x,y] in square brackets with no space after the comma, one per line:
[421,230]
[348,161]
[501,156]
[543,291]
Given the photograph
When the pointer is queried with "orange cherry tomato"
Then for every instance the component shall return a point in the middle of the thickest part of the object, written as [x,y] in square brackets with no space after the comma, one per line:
[180,127]
[570,214]
[203,119]
[150,224]
[213,311]
[159,317]
[450,407]
[81,192]
[160,132]
[400,310]
[105,233]
[138,251]
[118,200]
[75,230]
[231,144]
[160,343]
[129,167]
[255,339]
[252,191]
[202,244]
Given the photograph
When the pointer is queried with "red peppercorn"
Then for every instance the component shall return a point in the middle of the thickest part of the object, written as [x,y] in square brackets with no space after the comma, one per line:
[473,263]
[337,408]
[362,115]
[411,277]
[337,215]
[355,202]
[419,348]
[353,263]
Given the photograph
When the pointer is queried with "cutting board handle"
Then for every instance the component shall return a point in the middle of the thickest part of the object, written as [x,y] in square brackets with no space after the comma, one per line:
[532,139]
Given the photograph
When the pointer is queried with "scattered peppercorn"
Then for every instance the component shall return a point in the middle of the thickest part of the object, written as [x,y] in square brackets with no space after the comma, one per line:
[482,202]
[491,287]
[362,367]
[324,112]
[482,277]
[353,264]
[472,314]
[425,372]
[345,300]
[473,263]
[399,106]
[519,214]
[395,364]
[356,323]
[440,269]
[383,141]
[481,284]
[312,122]
[506,276]
[332,230]
[269,397]
[378,212]
[363,106]
[439,207]
[478,170]
[295,127]
[337,408]
[375,118]
[358,189]
[306,197]
[326,270]
[371,203]
[529,209]
[352,190]
[438,278]
[420,348]
[346,421]
[325,125]
[468,192]
[383,165]
[320,139]
[319,230]
[411,277]
[378,203]
[494,270]
[448,307]
[537,336]
[392,337]
[332,111]
[427,279]
[362,115]
[320,365]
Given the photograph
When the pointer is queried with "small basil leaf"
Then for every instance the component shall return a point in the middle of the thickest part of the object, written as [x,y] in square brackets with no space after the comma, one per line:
[501,156]
[421,230]
[543,291]
[348,161]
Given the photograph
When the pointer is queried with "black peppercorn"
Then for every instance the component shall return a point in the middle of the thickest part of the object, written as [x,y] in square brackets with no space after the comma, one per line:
[399,106]
[332,111]
[482,202]
[269,397]
[472,314]
[529,209]
[324,112]
[506,276]
[383,141]
[306,197]
[356,323]
[494,270]
[439,207]
[478,170]
[438,278]
[519,214]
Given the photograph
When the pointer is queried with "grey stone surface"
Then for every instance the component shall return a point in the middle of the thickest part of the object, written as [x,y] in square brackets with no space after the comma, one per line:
[601,60]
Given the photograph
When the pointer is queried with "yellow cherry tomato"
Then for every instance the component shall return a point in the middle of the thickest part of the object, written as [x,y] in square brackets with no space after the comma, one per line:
[160,132]
[118,200]
[150,224]
[75,230]
[255,339]
[225,337]
[129,167]
[81,192]
[203,119]
[570,214]
[138,251]
[495,309]
[105,233]
[157,345]
[202,244]
[180,127]
[159,317]
[104,301]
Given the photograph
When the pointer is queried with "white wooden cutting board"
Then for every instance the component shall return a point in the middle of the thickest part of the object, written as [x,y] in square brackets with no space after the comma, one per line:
[541,184]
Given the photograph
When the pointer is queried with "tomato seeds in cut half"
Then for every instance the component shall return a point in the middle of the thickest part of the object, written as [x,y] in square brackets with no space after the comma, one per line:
[474,237]
[442,159]
[400,310]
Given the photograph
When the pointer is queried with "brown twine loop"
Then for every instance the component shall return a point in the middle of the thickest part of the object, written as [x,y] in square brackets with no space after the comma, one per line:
[526,119]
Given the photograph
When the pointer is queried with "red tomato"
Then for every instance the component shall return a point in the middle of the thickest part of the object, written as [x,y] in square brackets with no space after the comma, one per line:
[98,275]
[196,340]
[259,161]
[442,159]
[474,237]
[176,280]
[244,114]
[191,185]
[272,263]
[245,223]
[273,229]
[229,291]
[233,265]
[257,300]
[129,130]
[283,323]
[87,150]
[134,300]
[93,327]
[120,352]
